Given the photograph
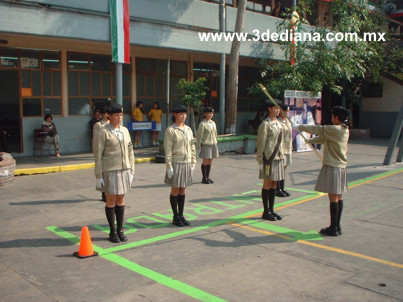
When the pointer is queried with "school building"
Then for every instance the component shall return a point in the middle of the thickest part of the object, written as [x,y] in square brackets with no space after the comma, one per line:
[55,57]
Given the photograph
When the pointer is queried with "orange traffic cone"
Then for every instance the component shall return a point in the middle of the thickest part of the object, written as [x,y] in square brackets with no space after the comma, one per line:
[85,249]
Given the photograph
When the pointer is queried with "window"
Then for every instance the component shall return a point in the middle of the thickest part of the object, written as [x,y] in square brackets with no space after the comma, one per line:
[91,80]
[151,77]
[40,79]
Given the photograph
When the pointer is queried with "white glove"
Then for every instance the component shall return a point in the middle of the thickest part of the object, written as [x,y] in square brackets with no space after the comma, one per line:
[131,178]
[99,183]
[170,173]
[295,126]
[192,168]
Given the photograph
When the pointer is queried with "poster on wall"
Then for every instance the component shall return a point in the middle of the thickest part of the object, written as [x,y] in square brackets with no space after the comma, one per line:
[305,108]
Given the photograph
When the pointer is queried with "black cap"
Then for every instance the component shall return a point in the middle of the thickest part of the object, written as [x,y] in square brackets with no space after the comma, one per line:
[269,103]
[208,109]
[104,109]
[179,109]
[115,108]
[284,107]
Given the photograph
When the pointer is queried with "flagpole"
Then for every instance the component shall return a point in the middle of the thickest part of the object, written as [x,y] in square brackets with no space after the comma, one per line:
[119,83]
[281,110]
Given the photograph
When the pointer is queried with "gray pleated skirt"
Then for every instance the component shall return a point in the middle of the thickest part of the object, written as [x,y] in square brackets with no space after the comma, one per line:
[209,151]
[276,172]
[116,182]
[287,160]
[332,180]
[182,175]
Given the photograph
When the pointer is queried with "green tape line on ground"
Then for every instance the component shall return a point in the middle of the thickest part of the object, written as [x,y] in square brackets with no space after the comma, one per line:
[375,176]
[162,279]
[148,273]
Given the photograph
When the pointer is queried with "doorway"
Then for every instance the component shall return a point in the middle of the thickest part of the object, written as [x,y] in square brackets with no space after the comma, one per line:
[10,112]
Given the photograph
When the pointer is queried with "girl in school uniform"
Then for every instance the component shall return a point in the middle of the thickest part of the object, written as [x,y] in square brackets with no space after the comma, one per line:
[332,178]
[114,169]
[96,129]
[155,115]
[287,147]
[269,155]
[180,160]
[206,137]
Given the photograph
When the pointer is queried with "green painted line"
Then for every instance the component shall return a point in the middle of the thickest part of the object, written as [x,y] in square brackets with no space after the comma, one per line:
[375,177]
[293,234]
[148,273]
[162,279]
[178,233]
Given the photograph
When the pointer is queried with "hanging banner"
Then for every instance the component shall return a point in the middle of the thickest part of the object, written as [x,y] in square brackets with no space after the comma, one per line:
[305,108]
[120,31]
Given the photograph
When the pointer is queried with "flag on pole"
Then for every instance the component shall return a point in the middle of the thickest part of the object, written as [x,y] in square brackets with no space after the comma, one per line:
[120,34]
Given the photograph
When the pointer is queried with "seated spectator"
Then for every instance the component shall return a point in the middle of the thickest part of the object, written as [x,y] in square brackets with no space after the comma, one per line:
[51,136]
[279,11]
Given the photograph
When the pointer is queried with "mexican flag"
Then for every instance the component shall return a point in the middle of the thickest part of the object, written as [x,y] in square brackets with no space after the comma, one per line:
[120,34]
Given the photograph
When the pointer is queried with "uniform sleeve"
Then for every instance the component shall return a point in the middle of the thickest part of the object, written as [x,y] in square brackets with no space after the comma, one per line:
[261,142]
[193,148]
[99,146]
[168,145]
[199,135]
[131,152]
[317,140]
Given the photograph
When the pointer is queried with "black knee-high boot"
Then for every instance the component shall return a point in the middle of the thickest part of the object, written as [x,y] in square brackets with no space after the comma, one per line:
[339,216]
[266,211]
[332,229]
[174,205]
[282,185]
[120,214]
[110,215]
[279,192]
[204,173]
[181,207]
[208,168]
[272,197]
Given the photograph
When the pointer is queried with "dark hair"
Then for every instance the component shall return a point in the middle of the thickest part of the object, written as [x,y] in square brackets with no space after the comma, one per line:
[138,103]
[105,109]
[158,105]
[342,114]
[208,109]
[47,115]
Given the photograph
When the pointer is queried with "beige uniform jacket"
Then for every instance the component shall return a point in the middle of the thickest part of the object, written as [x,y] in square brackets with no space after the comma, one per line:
[287,135]
[206,133]
[97,127]
[179,146]
[334,138]
[111,153]
[267,138]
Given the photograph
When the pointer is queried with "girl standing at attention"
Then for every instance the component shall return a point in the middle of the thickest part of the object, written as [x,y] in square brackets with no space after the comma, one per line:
[114,169]
[332,178]
[180,160]
[269,155]
[206,137]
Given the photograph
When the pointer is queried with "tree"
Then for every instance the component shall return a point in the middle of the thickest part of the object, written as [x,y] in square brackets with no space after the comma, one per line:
[341,66]
[231,99]
[192,95]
